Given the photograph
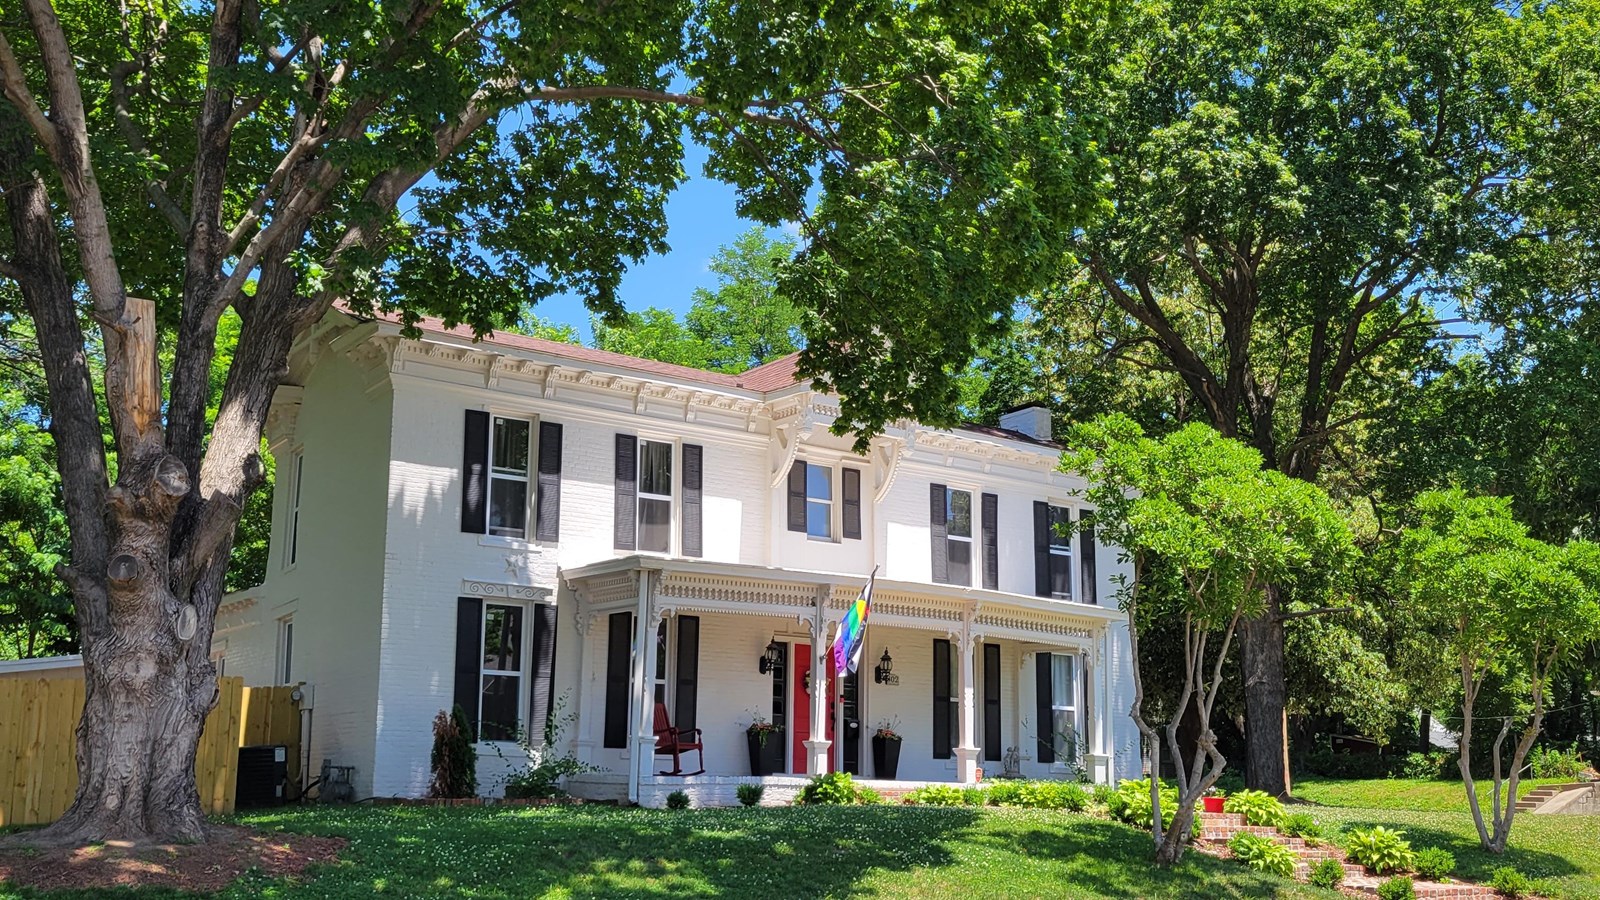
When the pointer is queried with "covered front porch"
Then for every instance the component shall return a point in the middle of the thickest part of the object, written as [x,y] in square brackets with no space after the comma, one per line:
[978,684]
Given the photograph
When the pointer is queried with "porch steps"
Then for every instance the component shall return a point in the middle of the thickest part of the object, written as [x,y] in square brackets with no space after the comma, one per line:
[1216,829]
[1542,795]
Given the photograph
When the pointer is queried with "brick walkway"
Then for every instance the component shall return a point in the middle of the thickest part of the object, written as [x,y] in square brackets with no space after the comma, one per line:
[1216,829]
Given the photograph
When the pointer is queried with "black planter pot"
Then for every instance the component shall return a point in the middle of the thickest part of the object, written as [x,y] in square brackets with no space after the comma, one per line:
[885,757]
[766,757]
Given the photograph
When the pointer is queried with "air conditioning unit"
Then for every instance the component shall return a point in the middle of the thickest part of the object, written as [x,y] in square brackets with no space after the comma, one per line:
[263,774]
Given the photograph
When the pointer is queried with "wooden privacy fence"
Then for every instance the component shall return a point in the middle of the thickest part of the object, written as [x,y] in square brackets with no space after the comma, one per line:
[38,746]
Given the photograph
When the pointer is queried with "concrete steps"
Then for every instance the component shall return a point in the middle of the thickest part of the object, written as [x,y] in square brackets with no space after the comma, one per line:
[1216,829]
[1542,795]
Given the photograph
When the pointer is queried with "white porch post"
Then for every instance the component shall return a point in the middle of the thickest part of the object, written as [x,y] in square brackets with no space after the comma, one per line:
[643,705]
[966,750]
[817,747]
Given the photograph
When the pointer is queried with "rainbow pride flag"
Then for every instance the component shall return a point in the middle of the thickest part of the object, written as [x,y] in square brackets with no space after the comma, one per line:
[852,634]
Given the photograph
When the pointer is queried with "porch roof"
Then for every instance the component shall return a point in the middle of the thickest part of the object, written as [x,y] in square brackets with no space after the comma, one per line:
[715,579]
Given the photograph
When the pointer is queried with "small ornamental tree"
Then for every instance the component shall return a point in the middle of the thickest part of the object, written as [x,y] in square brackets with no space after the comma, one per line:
[1207,530]
[454,759]
[1496,605]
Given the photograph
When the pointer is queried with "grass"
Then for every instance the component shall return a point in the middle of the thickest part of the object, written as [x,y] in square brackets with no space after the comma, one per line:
[893,852]
[1562,853]
[1401,793]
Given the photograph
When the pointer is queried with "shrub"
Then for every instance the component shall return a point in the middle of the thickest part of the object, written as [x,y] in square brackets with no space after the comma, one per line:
[936,795]
[677,800]
[1054,795]
[1427,766]
[1552,762]
[1380,849]
[749,794]
[1257,807]
[454,759]
[1435,863]
[1004,793]
[1509,882]
[1102,794]
[869,797]
[1262,853]
[1327,874]
[1131,803]
[1301,825]
[1398,888]
[542,780]
[836,789]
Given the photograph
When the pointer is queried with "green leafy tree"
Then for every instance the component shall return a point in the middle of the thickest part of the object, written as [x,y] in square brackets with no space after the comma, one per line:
[1489,603]
[1208,530]
[653,333]
[165,163]
[745,320]
[35,611]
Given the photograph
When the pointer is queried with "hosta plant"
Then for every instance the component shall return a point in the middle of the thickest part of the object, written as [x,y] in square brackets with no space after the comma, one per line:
[1301,825]
[1380,849]
[1257,807]
[1262,853]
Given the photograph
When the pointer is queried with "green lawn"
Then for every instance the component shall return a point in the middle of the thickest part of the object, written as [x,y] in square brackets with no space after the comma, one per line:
[1561,852]
[779,853]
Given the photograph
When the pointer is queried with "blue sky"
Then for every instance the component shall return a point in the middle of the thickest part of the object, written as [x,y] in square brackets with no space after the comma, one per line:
[700,218]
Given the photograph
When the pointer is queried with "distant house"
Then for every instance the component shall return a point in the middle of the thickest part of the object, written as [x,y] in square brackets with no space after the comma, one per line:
[518,525]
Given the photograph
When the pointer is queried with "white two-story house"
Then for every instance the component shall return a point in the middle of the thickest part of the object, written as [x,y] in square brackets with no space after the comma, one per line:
[520,526]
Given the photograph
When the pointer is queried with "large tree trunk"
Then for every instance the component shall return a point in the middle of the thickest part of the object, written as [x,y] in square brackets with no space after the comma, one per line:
[1266,743]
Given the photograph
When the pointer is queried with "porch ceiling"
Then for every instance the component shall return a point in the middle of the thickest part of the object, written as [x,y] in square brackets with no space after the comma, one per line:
[798,593]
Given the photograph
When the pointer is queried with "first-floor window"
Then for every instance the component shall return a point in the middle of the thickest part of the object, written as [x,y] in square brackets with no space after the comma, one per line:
[286,650]
[501,697]
[1065,726]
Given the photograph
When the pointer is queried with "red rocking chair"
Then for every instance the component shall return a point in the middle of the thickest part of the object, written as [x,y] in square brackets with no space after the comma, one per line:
[677,742]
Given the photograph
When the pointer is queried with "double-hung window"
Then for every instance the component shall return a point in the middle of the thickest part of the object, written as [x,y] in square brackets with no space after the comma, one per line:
[655,496]
[958,535]
[292,545]
[819,501]
[1065,726]
[1061,552]
[508,477]
[286,650]
[501,696]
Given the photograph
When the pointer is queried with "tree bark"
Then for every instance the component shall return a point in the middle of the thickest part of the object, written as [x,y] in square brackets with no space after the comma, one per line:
[1266,744]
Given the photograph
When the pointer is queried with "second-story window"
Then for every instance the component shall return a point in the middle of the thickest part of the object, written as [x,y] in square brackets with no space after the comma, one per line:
[1061,552]
[958,535]
[819,501]
[296,470]
[508,477]
[655,496]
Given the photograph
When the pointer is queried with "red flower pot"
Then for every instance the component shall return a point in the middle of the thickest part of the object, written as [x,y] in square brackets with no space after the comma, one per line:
[1213,804]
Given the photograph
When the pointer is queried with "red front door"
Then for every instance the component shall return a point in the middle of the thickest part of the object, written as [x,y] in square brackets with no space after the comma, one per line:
[800,702]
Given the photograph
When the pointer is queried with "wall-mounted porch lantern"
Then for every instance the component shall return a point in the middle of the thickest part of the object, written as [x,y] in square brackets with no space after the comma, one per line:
[769,659]
[883,672]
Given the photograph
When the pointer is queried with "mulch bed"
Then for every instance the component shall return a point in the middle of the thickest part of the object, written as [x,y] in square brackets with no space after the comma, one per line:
[187,867]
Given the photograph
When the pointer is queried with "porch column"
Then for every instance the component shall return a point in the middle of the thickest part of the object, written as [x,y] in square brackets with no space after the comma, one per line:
[644,669]
[966,749]
[817,747]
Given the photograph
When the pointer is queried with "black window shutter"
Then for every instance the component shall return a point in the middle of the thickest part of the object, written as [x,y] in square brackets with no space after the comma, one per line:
[936,530]
[469,659]
[619,650]
[1046,729]
[852,503]
[941,699]
[693,463]
[1086,550]
[991,702]
[547,503]
[688,693]
[627,502]
[475,473]
[542,682]
[991,542]
[1041,548]
[797,496]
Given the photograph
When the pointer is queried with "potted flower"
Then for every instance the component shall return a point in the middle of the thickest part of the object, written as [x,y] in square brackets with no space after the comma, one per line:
[886,750]
[1214,800]
[765,742]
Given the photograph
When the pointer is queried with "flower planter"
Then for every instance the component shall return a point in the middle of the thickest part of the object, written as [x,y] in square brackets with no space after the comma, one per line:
[766,757]
[1214,804]
[885,757]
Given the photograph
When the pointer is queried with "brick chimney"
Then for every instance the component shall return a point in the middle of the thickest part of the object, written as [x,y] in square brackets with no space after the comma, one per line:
[1032,419]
